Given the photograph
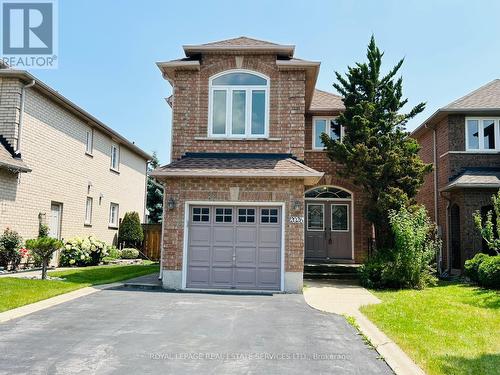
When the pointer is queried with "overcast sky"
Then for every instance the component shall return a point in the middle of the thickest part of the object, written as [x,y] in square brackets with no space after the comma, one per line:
[108,49]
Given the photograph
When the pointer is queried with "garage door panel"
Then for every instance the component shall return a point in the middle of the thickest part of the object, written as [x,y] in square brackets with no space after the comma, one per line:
[223,235]
[199,235]
[246,234]
[222,255]
[243,252]
[246,256]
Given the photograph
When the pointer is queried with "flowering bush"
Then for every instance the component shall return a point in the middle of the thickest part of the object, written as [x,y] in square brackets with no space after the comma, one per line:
[83,251]
[10,242]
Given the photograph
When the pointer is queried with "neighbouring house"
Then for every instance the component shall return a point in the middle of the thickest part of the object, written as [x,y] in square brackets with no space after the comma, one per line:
[250,193]
[462,140]
[61,167]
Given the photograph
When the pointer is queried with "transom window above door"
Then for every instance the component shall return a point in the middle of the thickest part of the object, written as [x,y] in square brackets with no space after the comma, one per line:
[327,125]
[239,105]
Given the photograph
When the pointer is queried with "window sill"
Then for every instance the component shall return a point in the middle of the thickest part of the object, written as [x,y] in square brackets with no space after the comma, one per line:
[89,154]
[315,150]
[112,226]
[89,225]
[114,170]
[236,139]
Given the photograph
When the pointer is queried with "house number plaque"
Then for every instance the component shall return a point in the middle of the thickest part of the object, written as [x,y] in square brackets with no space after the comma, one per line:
[297,219]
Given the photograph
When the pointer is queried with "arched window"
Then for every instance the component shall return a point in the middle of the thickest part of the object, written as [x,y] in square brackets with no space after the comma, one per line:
[238,105]
[327,192]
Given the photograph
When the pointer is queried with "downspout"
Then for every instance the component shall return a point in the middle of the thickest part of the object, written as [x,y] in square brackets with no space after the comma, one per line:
[21,114]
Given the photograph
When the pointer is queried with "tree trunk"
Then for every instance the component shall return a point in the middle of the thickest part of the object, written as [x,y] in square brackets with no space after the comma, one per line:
[44,268]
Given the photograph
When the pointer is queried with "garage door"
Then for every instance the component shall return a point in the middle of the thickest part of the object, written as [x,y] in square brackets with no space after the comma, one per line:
[233,247]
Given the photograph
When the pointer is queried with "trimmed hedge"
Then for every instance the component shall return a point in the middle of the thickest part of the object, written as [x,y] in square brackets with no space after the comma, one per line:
[471,266]
[489,272]
[129,253]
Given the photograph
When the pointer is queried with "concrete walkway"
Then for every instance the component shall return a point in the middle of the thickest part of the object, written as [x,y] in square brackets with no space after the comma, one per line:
[345,298]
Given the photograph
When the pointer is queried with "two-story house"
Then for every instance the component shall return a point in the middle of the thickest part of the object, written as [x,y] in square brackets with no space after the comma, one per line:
[250,192]
[62,167]
[462,140]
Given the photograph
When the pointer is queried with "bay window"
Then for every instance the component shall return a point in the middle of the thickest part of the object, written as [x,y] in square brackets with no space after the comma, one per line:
[238,105]
[327,125]
[482,134]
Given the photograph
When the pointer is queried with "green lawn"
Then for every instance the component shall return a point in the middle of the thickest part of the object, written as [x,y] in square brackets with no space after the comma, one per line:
[18,292]
[448,329]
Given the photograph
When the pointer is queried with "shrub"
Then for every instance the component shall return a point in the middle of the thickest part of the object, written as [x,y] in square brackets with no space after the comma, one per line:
[129,253]
[43,230]
[489,272]
[83,251]
[44,247]
[10,242]
[114,253]
[471,266]
[410,263]
[130,232]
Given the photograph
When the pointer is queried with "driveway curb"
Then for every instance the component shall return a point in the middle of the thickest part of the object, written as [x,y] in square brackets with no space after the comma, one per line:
[346,299]
[19,312]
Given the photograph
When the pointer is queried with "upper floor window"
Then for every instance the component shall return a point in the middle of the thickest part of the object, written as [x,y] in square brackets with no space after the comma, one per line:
[239,105]
[115,157]
[89,141]
[482,134]
[326,125]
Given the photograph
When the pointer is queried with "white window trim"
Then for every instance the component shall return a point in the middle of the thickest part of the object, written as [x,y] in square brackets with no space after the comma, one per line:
[327,119]
[248,102]
[89,134]
[110,223]
[88,216]
[112,167]
[481,148]
[348,218]
[307,217]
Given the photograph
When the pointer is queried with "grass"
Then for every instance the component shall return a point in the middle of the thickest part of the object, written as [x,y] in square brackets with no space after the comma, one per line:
[448,329]
[16,292]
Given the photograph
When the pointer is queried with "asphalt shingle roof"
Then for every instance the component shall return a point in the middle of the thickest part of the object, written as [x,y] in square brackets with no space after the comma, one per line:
[485,97]
[481,178]
[240,41]
[323,100]
[7,161]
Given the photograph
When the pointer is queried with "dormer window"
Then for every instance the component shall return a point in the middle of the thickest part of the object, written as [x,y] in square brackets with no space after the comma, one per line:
[239,105]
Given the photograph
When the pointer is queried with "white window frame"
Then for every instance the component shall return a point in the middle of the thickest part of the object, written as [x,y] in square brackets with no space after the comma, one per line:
[110,222]
[480,121]
[88,210]
[248,102]
[327,120]
[113,167]
[89,141]
[348,217]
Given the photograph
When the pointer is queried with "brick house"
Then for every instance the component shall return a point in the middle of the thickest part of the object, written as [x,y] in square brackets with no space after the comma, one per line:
[250,192]
[61,166]
[462,140]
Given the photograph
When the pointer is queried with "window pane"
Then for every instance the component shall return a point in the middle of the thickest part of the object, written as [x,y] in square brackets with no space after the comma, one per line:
[239,79]
[489,134]
[335,132]
[239,97]
[315,217]
[339,217]
[258,111]
[219,112]
[319,128]
[473,134]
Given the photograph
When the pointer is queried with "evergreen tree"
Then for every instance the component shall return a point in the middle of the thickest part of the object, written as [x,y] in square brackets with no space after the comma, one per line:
[154,201]
[376,151]
[130,233]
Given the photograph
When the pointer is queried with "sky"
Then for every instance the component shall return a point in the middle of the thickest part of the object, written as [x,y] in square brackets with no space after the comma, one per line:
[108,49]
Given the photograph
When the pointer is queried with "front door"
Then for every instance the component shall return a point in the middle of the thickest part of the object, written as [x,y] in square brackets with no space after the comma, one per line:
[328,230]
[55,220]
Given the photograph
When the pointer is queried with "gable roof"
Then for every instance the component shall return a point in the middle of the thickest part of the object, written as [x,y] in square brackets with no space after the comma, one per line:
[323,101]
[75,109]
[240,44]
[485,99]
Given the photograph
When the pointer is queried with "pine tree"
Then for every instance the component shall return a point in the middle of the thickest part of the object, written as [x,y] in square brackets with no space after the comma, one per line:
[154,201]
[376,151]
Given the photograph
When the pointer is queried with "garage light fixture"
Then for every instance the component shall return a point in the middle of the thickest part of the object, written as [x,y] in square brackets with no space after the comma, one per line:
[171,203]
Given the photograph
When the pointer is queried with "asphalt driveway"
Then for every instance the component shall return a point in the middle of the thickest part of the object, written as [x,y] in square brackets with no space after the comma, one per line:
[125,331]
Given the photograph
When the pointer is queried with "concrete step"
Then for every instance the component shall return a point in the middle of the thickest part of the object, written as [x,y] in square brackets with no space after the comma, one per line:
[330,268]
[331,275]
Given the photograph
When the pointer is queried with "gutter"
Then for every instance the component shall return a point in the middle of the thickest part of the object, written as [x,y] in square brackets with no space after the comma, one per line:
[21,114]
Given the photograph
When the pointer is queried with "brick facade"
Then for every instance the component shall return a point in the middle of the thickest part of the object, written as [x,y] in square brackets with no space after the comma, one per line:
[53,146]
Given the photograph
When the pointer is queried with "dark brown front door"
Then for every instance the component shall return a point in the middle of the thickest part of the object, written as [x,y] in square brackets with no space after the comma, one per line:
[328,230]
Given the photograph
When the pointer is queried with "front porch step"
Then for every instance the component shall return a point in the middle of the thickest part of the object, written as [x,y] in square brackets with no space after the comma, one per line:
[331,276]
[310,267]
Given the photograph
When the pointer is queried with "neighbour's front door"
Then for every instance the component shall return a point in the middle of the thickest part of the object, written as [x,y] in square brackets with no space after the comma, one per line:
[55,220]
[328,230]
